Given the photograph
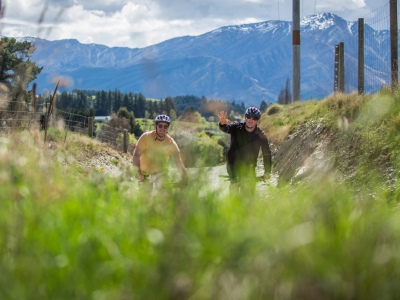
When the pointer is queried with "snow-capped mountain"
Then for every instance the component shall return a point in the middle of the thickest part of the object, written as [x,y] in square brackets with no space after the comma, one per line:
[243,63]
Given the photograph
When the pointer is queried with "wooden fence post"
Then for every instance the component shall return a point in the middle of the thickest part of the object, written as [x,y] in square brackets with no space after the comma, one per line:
[336,70]
[341,67]
[125,141]
[90,127]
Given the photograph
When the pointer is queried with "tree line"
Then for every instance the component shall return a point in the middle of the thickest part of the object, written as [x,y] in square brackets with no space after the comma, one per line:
[130,106]
[107,103]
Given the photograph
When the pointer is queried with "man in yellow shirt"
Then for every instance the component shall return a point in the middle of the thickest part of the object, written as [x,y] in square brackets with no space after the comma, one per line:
[151,156]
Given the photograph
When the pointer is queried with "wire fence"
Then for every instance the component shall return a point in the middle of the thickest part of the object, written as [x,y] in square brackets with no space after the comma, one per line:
[73,122]
[378,72]
[116,137]
[377,49]
[16,115]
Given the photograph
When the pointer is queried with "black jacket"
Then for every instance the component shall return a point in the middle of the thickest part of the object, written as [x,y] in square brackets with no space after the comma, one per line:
[245,146]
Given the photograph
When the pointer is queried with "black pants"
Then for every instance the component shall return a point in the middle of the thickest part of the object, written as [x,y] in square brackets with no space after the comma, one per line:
[242,178]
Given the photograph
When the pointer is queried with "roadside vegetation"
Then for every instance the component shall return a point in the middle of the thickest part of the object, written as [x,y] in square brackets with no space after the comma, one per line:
[72,231]
[361,132]
[73,225]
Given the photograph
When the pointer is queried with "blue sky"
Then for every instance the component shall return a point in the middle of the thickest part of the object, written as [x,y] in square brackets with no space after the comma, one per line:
[140,23]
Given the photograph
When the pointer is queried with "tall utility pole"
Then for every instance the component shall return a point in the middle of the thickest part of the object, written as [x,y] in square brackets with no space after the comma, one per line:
[361,55]
[394,52]
[296,50]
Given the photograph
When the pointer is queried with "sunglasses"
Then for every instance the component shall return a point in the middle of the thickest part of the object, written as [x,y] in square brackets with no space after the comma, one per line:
[253,118]
[162,126]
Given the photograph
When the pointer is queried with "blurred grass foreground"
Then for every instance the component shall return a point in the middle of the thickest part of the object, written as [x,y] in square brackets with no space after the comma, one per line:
[73,233]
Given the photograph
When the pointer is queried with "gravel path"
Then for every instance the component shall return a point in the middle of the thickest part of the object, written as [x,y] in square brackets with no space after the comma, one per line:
[215,179]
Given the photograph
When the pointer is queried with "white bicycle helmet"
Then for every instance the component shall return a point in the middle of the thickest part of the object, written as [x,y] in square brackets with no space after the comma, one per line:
[253,112]
[162,118]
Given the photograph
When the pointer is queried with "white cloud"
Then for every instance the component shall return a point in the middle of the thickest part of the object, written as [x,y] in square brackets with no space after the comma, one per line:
[340,6]
[140,23]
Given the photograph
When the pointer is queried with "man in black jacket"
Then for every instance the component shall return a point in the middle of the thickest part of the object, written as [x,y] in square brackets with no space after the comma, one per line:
[246,142]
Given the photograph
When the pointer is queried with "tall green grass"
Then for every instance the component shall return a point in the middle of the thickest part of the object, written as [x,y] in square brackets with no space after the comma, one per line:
[90,236]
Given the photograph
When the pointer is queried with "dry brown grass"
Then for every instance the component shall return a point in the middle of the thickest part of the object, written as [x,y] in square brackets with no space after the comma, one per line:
[281,120]
[279,136]
[344,105]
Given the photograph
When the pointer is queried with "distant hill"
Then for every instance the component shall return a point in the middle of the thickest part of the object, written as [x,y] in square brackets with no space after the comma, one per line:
[244,63]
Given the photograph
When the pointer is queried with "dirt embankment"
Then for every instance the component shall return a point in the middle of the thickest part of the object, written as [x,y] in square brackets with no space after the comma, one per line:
[305,154]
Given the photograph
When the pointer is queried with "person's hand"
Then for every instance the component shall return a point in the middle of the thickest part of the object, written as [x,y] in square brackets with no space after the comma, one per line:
[223,120]
[139,176]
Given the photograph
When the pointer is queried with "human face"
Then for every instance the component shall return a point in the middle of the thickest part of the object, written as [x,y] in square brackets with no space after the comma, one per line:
[162,129]
[251,123]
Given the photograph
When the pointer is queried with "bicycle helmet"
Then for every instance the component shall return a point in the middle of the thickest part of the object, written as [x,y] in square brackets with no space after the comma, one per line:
[162,118]
[253,112]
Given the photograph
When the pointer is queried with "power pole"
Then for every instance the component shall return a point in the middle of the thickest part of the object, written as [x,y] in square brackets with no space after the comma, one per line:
[296,51]
[361,56]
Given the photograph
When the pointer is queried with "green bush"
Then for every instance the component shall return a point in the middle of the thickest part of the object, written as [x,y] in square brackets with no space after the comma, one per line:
[55,134]
[202,150]
[273,109]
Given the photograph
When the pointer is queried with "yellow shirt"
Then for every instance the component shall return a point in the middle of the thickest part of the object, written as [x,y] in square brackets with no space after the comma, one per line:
[155,154]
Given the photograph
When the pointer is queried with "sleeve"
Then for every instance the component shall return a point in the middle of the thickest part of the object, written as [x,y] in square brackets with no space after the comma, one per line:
[224,128]
[229,128]
[266,153]
[142,141]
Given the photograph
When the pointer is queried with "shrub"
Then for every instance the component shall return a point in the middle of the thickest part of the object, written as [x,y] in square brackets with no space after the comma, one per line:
[273,109]
[55,134]
[199,149]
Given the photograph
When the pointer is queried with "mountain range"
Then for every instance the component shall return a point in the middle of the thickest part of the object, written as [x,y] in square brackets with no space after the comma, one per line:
[243,63]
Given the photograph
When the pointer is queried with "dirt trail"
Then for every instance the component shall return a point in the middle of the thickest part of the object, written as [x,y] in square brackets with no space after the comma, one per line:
[216,180]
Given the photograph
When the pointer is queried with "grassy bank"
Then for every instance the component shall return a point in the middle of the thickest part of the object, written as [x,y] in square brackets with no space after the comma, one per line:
[362,132]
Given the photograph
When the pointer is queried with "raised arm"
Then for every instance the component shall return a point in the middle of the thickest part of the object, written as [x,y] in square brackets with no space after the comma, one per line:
[223,118]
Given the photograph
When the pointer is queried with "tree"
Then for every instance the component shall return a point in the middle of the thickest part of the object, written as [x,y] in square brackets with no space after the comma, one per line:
[117,103]
[169,105]
[263,106]
[140,105]
[134,127]
[190,115]
[127,101]
[285,95]
[16,68]
[124,113]
[172,114]
[101,104]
